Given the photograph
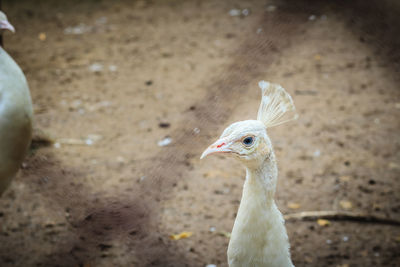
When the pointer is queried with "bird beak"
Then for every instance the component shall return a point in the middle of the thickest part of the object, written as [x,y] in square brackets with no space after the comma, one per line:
[220,146]
[4,24]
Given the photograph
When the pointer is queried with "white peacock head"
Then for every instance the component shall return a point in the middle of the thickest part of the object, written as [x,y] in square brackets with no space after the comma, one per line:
[5,24]
[248,140]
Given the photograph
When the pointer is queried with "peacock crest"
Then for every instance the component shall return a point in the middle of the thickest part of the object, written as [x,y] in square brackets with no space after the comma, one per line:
[276,106]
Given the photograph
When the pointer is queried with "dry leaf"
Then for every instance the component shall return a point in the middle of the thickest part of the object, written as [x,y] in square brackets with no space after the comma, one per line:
[323,222]
[42,36]
[181,235]
[293,205]
[226,234]
[342,265]
[308,259]
[393,166]
[376,206]
[345,178]
[364,253]
[317,57]
[371,164]
[216,174]
[345,204]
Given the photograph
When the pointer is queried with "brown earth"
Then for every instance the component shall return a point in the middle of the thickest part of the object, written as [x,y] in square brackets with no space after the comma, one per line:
[186,70]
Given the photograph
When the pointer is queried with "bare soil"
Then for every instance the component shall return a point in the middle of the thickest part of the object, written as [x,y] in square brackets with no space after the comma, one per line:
[123,75]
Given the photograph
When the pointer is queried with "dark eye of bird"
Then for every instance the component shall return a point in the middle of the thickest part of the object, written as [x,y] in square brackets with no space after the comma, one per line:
[248,141]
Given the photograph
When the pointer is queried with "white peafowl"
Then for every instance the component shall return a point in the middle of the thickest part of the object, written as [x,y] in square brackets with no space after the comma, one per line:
[259,236]
[15,114]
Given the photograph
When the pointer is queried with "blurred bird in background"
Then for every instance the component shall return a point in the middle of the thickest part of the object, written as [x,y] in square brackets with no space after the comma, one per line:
[15,114]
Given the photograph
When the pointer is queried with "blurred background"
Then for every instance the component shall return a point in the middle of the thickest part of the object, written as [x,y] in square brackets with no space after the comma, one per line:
[132,92]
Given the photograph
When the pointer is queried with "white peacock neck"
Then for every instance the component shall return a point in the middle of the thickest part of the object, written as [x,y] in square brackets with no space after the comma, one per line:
[261,180]
[259,236]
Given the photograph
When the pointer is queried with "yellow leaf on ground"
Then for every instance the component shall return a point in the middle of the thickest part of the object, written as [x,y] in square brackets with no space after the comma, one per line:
[345,204]
[323,222]
[42,36]
[393,166]
[181,235]
[226,234]
[293,205]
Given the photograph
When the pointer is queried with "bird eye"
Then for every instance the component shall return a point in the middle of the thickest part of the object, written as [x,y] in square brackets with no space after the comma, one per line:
[248,141]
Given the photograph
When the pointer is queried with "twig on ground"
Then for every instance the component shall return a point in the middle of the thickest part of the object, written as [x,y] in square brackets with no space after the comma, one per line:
[340,216]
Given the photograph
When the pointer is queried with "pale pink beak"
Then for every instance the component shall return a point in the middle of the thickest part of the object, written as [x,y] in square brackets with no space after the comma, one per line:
[220,146]
[5,25]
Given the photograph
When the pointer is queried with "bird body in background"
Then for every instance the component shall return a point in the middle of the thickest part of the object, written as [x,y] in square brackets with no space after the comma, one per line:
[259,236]
[15,114]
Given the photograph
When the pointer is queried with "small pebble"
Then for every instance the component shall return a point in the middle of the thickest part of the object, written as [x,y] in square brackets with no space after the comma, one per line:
[234,12]
[89,141]
[312,17]
[165,142]
[120,159]
[79,29]
[112,68]
[271,8]
[245,12]
[101,20]
[76,104]
[96,67]
[92,138]
[164,125]
[317,153]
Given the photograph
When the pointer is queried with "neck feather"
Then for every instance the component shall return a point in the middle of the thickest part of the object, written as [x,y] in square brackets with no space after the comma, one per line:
[261,180]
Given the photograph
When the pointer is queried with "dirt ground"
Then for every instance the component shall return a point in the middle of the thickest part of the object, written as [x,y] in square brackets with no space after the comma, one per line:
[110,79]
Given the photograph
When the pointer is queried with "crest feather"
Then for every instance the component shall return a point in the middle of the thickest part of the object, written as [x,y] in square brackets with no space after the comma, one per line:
[276,106]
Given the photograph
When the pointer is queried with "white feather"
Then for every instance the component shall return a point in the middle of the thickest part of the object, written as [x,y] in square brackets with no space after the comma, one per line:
[276,106]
